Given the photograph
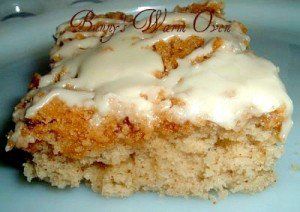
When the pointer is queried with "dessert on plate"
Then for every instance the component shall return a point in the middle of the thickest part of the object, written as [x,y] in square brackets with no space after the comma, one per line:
[180,112]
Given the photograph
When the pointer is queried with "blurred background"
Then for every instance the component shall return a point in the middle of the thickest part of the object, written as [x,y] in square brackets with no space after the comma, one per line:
[34,21]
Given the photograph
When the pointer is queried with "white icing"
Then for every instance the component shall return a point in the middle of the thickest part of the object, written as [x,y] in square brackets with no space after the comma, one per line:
[76,47]
[72,98]
[114,75]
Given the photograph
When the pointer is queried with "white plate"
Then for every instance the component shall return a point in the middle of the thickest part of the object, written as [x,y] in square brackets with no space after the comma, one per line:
[25,42]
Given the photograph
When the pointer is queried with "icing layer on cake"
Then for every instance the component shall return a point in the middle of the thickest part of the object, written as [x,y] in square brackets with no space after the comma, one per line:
[119,76]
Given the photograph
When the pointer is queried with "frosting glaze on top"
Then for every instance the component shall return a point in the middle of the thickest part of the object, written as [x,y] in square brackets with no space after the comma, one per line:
[115,77]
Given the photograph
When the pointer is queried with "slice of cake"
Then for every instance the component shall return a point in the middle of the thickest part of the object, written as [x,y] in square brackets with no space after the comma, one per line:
[181,108]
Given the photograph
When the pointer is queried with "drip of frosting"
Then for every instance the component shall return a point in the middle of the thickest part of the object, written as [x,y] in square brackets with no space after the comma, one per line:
[115,77]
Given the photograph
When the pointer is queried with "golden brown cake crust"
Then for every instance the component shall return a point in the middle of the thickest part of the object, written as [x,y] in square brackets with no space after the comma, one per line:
[214,7]
[70,132]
